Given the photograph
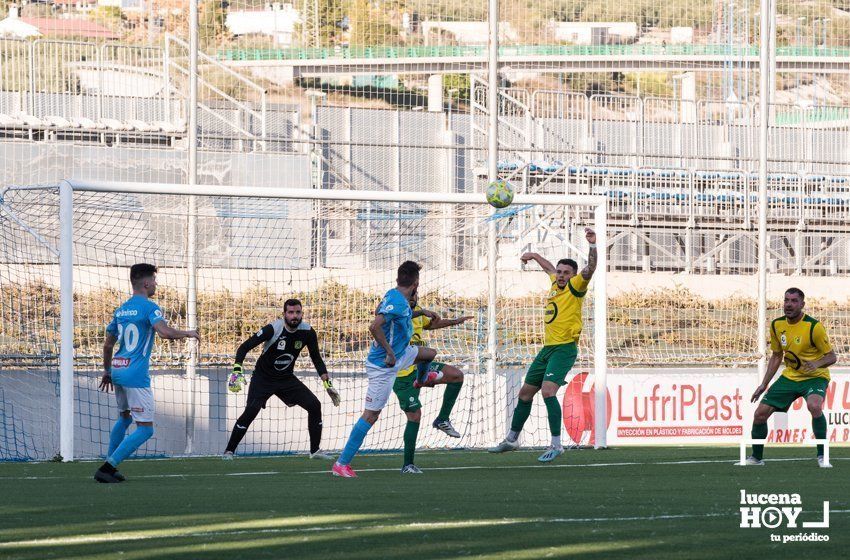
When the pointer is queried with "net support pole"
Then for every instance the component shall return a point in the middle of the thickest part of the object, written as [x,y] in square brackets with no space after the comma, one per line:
[66,321]
[492,175]
[765,55]
[600,329]
[192,226]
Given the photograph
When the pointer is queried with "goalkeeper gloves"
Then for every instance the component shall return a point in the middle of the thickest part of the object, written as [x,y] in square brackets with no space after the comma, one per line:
[332,392]
[236,379]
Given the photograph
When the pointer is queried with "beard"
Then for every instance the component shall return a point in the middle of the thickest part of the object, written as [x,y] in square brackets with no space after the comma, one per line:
[293,323]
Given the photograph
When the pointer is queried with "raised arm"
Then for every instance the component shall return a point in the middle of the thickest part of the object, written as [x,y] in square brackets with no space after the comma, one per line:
[170,333]
[321,368]
[587,271]
[441,323]
[255,340]
[316,355]
[547,266]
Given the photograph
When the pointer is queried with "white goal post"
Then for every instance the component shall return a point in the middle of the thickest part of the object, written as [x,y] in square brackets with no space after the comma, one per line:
[596,206]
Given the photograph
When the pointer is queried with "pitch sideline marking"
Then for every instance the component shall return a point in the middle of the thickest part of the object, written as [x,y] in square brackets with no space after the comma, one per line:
[460,468]
[118,537]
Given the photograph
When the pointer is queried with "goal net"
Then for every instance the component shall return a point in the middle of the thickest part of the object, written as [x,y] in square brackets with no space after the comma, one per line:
[337,251]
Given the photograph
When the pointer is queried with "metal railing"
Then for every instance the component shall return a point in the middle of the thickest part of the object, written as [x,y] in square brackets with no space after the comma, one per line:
[388,51]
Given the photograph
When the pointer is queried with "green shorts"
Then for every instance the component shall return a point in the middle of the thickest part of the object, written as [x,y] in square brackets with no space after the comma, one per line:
[784,392]
[552,363]
[408,395]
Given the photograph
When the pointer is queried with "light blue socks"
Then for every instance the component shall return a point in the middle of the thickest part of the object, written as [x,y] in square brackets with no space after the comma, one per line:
[132,442]
[355,440]
[116,436]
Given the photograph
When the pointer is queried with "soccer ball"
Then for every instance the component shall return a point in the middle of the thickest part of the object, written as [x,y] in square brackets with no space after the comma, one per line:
[500,193]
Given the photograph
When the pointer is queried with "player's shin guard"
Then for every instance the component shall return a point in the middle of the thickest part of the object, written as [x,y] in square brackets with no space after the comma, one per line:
[521,412]
[355,440]
[116,435]
[449,399]
[130,444]
[759,432]
[819,429]
[553,411]
[410,433]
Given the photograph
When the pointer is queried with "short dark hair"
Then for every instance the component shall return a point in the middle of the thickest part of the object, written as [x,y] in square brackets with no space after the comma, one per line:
[797,292]
[140,271]
[408,273]
[291,302]
[569,262]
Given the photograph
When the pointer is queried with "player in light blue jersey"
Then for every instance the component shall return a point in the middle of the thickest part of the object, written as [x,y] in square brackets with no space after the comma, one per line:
[391,352]
[132,327]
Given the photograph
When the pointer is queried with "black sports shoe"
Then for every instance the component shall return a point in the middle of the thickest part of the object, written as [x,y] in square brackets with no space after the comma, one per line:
[107,478]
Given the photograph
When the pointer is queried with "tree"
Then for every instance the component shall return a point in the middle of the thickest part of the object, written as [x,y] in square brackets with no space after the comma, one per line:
[211,28]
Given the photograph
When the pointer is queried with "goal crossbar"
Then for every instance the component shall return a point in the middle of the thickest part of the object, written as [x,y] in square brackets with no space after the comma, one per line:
[327,194]
[67,188]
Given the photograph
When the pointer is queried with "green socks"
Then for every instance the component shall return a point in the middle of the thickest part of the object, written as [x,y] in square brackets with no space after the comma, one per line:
[521,412]
[410,433]
[553,411]
[819,428]
[759,432]
[449,399]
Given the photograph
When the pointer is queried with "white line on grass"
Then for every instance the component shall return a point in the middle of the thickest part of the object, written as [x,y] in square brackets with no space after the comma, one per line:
[188,533]
[459,468]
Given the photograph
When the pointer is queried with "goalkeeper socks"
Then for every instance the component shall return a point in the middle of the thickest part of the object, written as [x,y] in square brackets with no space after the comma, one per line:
[819,428]
[410,433]
[119,430]
[556,441]
[553,411]
[314,425]
[355,440]
[132,442]
[759,432]
[521,412]
[449,399]
[240,428]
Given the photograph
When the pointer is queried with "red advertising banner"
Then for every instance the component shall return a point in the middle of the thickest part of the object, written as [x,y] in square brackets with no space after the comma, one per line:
[693,406]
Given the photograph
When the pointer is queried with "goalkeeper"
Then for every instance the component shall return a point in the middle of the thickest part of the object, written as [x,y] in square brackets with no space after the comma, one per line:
[282,341]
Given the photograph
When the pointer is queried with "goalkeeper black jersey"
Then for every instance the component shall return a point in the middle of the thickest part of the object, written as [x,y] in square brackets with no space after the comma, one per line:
[281,349]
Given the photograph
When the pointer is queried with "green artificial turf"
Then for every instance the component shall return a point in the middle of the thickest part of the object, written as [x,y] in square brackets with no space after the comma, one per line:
[617,503]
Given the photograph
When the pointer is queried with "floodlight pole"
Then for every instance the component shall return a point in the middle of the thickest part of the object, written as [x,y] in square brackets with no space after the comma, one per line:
[492,175]
[192,226]
[767,9]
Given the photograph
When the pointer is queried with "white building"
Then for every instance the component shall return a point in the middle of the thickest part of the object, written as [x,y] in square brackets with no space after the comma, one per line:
[14,26]
[125,5]
[467,32]
[594,33]
[681,35]
[277,20]
[55,27]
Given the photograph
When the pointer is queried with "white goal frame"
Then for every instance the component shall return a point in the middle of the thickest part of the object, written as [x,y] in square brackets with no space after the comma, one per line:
[66,264]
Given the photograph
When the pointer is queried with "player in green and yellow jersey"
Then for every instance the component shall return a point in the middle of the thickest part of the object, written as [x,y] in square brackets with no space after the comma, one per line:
[549,370]
[802,343]
[407,388]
